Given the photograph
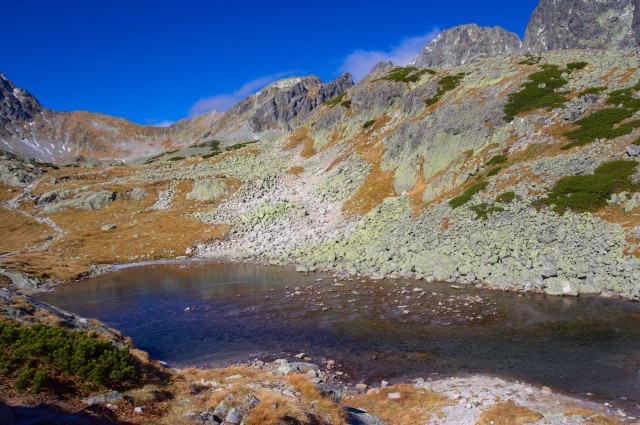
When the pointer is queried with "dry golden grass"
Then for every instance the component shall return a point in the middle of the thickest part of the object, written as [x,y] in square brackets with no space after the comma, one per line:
[376,188]
[8,192]
[301,136]
[140,233]
[508,413]
[296,171]
[415,405]
[18,232]
[46,265]
[606,78]
[309,408]
[325,406]
[591,417]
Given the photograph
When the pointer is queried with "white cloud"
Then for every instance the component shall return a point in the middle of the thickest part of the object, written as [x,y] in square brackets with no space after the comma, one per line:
[163,123]
[226,101]
[360,62]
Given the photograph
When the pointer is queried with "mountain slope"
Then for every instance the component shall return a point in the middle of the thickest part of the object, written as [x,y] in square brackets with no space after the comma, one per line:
[35,132]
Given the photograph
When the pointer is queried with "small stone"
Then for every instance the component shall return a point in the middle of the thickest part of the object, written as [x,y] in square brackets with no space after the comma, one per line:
[234,416]
[234,377]
[384,384]
[361,387]
[299,356]
[394,396]
[108,227]
[138,409]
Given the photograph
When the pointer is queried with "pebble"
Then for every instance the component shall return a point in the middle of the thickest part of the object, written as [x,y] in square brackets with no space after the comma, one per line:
[394,396]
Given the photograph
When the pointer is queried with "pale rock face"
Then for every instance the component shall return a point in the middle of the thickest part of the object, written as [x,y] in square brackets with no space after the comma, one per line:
[463,44]
[584,24]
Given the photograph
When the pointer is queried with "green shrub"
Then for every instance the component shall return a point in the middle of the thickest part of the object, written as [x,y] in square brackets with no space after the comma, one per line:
[445,84]
[573,66]
[625,98]
[409,74]
[506,197]
[541,91]
[494,171]
[636,142]
[336,100]
[239,146]
[498,159]
[177,158]
[368,124]
[483,210]
[530,60]
[591,192]
[34,355]
[467,195]
[593,90]
[602,124]
[346,104]
[45,164]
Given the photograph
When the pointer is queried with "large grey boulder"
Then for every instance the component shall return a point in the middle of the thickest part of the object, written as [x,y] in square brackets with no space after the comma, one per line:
[208,189]
[583,24]
[463,44]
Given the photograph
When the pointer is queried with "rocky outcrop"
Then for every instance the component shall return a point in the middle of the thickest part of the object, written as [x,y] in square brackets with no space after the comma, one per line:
[463,44]
[272,112]
[581,24]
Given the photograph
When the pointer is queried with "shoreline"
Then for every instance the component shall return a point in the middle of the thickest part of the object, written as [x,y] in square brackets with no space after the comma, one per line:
[104,269]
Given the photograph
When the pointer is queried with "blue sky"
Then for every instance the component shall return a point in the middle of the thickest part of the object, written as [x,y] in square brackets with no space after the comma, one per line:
[160,61]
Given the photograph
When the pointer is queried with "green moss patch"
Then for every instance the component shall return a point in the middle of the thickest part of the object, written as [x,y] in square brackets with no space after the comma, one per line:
[530,60]
[609,123]
[239,146]
[506,197]
[409,74]
[467,195]
[574,66]
[368,124]
[541,91]
[591,192]
[483,210]
[494,171]
[445,84]
[593,90]
[498,159]
[336,100]
[602,124]
[41,355]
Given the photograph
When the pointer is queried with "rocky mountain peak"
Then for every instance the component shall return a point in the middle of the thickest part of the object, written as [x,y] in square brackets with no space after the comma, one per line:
[463,44]
[584,24]
[16,103]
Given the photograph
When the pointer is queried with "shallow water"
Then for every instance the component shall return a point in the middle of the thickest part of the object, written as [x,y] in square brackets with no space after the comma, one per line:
[375,329]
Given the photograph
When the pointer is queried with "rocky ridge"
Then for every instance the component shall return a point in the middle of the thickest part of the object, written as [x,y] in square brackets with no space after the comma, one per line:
[36,132]
[463,44]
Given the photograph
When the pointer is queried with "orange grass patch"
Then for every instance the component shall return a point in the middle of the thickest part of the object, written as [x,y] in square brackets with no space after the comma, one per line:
[18,232]
[508,413]
[140,233]
[415,406]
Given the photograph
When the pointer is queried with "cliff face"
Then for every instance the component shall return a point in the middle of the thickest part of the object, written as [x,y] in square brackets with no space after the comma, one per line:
[584,24]
[463,44]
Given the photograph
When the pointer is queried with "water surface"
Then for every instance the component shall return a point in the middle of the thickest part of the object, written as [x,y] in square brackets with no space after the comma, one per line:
[377,330]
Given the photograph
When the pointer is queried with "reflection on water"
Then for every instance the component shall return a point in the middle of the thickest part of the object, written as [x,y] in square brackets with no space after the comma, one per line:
[381,330]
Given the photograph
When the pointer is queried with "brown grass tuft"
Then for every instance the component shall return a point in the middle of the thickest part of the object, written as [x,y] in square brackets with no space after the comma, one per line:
[416,405]
[508,414]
